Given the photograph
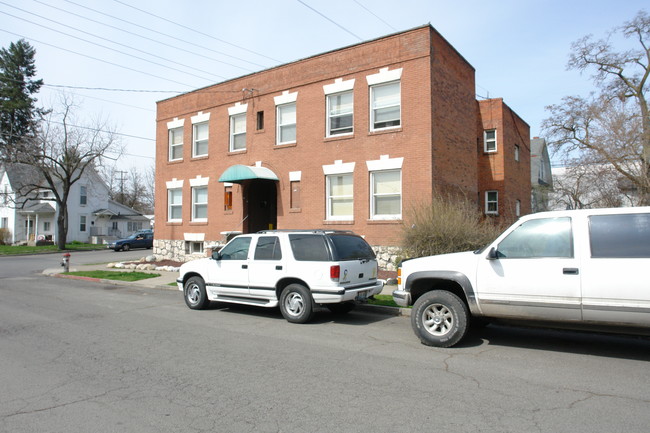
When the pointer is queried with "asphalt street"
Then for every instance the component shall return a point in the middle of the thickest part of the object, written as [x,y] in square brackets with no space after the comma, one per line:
[78,356]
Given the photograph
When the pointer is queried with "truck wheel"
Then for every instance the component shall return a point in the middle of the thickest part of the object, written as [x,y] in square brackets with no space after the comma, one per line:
[296,303]
[195,295]
[439,318]
[341,308]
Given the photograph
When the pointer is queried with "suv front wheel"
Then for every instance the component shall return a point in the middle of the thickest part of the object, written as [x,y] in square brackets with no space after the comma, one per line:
[195,296]
[296,303]
[439,318]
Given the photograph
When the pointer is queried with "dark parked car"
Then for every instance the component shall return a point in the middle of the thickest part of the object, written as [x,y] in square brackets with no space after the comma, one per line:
[140,239]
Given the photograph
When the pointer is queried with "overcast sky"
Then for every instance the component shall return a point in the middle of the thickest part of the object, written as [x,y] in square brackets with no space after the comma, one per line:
[118,60]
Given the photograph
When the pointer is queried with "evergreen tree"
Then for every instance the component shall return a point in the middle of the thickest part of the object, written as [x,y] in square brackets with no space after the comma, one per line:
[18,111]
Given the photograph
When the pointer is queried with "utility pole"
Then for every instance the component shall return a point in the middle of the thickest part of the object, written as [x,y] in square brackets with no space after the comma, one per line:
[122,173]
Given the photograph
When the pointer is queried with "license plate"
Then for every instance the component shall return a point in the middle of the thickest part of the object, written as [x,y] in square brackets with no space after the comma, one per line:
[362,296]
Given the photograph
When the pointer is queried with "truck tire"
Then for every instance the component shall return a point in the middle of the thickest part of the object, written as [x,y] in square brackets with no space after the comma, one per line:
[439,318]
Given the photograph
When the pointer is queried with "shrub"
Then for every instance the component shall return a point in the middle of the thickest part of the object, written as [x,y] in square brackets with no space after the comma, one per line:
[5,236]
[446,224]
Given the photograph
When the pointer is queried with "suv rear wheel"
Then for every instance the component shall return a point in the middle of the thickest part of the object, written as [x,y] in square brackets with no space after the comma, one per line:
[439,318]
[296,303]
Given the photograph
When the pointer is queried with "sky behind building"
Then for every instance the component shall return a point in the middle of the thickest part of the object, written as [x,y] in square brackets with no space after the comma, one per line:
[118,57]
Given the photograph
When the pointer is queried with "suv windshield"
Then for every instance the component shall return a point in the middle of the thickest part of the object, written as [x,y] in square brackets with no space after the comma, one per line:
[350,247]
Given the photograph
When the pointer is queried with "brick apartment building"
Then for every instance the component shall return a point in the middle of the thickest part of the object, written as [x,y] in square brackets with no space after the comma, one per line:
[345,140]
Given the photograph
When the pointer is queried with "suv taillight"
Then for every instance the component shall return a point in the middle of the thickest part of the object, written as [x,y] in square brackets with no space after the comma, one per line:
[399,276]
[335,272]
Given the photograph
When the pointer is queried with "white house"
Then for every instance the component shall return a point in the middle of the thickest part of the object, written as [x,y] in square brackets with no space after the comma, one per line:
[92,216]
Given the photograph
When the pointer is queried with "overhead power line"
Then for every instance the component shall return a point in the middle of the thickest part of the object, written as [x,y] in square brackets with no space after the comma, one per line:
[104,39]
[195,31]
[95,58]
[329,19]
[375,15]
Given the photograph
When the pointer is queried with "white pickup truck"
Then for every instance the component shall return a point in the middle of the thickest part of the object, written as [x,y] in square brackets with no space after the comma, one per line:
[579,268]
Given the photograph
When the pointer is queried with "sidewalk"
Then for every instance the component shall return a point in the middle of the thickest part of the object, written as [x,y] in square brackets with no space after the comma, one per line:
[163,283]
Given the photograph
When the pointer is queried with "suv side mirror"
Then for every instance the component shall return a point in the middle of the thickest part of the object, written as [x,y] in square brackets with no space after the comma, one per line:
[493,255]
[216,255]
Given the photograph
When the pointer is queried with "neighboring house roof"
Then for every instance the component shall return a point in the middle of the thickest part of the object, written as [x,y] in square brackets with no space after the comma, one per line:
[39,208]
[540,163]
[118,211]
[21,175]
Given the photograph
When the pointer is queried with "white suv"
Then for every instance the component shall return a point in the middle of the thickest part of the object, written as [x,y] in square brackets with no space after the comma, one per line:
[587,268]
[294,269]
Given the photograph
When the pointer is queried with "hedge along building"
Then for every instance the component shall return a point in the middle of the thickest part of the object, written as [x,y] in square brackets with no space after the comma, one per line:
[345,140]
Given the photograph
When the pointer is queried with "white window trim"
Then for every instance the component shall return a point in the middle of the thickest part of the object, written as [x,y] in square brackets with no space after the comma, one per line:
[385,163]
[517,152]
[194,237]
[489,212]
[393,167]
[339,167]
[329,216]
[328,115]
[172,146]
[83,219]
[339,86]
[232,131]
[294,176]
[195,203]
[201,117]
[485,141]
[173,124]
[384,76]
[195,141]
[169,204]
[372,110]
[199,181]
[279,126]
[286,98]
[238,108]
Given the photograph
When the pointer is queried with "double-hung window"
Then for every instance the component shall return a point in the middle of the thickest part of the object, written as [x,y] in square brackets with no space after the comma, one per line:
[200,203]
[83,195]
[340,118]
[492,202]
[490,139]
[238,132]
[176,144]
[175,204]
[386,194]
[286,129]
[82,223]
[340,198]
[200,139]
[385,110]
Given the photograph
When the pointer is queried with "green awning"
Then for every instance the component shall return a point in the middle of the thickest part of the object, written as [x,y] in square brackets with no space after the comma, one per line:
[239,173]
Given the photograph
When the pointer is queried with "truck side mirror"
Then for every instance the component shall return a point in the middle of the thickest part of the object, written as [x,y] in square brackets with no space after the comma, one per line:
[492,254]
[216,255]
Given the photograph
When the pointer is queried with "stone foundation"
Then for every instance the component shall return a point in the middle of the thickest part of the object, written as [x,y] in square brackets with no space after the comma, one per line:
[388,258]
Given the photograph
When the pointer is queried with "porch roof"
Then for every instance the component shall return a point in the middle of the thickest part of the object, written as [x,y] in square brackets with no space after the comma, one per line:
[239,173]
[37,208]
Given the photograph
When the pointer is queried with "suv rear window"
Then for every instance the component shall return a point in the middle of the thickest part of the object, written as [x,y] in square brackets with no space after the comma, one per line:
[348,247]
[620,236]
[309,248]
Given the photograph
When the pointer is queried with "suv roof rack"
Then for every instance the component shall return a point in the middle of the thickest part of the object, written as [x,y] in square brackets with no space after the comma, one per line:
[305,230]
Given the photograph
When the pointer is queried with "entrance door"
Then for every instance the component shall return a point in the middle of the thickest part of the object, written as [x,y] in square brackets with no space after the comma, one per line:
[261,197]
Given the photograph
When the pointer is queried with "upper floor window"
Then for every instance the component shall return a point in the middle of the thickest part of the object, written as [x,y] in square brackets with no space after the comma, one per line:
[386,194]
[238,132]
[492,202]
[286,128]
[517,152]
[385,106]
[340,114]
[83,195]
[176,144]
[490,140]
[200,139]
[518,208]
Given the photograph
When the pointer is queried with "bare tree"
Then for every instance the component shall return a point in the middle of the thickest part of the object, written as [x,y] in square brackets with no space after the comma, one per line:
[132,188]
[62,151]
[585,186]
[612,127]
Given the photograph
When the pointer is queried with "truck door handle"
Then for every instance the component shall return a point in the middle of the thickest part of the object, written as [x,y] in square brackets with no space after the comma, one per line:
[570,271]
[278,268]
[244,266]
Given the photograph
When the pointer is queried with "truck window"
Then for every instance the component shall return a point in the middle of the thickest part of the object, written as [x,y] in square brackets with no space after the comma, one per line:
[620,236]
[547,237]
[268,248]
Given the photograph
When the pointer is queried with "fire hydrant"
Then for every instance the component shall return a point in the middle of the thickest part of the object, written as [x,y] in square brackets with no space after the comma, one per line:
[66,262]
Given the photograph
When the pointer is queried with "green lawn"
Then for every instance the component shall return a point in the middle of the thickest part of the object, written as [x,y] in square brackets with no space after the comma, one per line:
[7,250]
[114,275]
[385,300]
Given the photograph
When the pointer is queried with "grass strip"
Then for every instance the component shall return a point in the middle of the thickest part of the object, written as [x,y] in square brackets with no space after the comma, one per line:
[113,275]
[9,250]
[385,300]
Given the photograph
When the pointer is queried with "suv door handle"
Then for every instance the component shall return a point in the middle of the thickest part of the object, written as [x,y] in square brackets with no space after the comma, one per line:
[278,268]
[570,271]
[244,266]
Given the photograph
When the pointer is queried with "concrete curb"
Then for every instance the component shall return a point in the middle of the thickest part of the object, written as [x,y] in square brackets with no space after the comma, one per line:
[148,284]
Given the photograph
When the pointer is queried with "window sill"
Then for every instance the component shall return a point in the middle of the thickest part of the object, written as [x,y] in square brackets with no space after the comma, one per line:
[228,212]
[385,131]
[385,221]
[174,223]
[175,161]
[198,223]
[236,152]
[200,157]
[295,210]
[339,137]
[341,222]
[285,145]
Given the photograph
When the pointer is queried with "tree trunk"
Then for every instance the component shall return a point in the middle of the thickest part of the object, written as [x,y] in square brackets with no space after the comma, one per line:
[62,226]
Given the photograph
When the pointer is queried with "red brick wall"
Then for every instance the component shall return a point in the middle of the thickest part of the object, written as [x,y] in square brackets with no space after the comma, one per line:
[437,137]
